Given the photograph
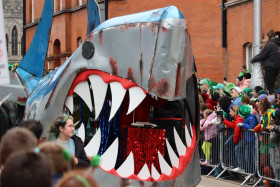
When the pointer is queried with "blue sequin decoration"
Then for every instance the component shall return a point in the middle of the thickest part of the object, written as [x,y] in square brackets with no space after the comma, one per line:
[109,130]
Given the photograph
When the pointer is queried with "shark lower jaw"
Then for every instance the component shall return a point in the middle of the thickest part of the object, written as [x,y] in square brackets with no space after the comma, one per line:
[168,155]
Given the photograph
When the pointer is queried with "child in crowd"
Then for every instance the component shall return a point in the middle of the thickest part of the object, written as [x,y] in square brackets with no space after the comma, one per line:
[34,126]
[26,169]
[16,139]
[237,139]
[56,155]
[210,132]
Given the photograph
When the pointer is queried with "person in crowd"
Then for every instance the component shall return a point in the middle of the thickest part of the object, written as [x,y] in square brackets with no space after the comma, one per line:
[210,132]
[255,93]
[270,57]
[58,160]
[249,122]
[245,100]
[237,139]
[77,178]
[16,139]
[235,95]
[203,107]
[275,138]
[204,88]
[243,70]
[238,81]
[61,131]
[247,91]
[266,146]
[219,87]
[26,169]
[212,101]
[34,126]
[245,83]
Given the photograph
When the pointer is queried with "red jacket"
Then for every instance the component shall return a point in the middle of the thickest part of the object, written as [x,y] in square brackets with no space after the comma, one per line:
[233,124]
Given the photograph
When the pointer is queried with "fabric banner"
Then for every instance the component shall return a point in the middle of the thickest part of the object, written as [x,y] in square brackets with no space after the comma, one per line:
[4,71]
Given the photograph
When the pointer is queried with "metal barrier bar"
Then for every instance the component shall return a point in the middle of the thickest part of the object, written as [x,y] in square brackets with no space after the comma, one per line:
[266,154]
[209,147]
[253,154]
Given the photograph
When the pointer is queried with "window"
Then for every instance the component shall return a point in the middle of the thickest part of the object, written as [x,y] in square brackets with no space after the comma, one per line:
[79,2]
[57,5]
[21,45]
[249,56]
[14,41]
[56,47]
[79,41]
[7,43]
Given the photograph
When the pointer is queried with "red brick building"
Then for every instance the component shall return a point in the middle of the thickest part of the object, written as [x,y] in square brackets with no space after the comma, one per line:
[204,19]
[240,31]
[69,28]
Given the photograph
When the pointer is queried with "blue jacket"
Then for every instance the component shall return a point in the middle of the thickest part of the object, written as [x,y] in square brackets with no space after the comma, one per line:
[249,123]
[237,101]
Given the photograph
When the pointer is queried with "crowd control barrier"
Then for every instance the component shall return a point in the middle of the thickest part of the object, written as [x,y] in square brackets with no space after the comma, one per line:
[254,155]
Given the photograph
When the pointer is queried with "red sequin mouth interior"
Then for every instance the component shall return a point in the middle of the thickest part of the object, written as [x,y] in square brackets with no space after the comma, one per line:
[146,148]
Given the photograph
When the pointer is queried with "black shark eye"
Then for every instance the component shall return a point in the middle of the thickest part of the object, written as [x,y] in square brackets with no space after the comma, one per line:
[88,50]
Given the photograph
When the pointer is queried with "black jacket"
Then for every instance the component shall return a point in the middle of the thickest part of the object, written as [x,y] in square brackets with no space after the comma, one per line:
[270,55]
[80,153]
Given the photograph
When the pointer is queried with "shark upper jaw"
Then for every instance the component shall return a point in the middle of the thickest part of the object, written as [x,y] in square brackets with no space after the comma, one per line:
[99,81]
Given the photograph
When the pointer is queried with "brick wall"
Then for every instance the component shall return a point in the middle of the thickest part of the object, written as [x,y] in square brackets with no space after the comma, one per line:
[241,31]
[66,27]
[204,24]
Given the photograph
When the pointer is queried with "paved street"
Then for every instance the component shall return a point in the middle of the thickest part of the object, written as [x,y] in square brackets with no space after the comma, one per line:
[211,182]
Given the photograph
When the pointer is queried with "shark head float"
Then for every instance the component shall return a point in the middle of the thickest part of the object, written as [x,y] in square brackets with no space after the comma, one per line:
[124,65]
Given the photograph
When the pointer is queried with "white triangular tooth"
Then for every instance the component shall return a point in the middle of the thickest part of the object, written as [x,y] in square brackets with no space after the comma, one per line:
[69,103]
[188,137]
[155,173]
[93,146]
[191,130]
[144,173]
[181,148]
[77,123]
[82,89]
[164,167]
[118,93]
[99,89]
[81,132]
[172,155]
[136,96]
[127,168]
[109,158]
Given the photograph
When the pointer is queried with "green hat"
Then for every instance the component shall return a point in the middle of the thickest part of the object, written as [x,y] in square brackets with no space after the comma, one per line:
[244,111]
[203,81]
[218,86]
[208,80]
[247,91]
[212,83]
[262,92]
[229,86]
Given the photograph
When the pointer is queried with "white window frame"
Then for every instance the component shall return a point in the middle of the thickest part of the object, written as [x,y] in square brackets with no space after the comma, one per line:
[32,11]
[249,56]
[80,2]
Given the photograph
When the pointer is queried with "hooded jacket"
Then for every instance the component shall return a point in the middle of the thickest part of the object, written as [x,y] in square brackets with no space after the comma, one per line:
[249,123]
[210,131]
[270,55]
[245,84]
[233,124]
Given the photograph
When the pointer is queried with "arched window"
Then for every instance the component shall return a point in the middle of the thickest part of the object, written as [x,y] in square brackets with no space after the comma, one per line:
[14,41]
[79,41]
[56,47]
[7,43]
[79,2]
[21,45]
